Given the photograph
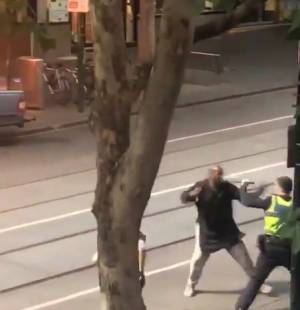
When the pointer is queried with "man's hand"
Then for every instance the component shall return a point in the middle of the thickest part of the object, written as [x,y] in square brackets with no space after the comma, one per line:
[142,279]
[191,194]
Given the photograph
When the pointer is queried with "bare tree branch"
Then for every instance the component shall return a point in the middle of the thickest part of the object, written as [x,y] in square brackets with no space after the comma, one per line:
[138,83]
[221,24]
[112,110]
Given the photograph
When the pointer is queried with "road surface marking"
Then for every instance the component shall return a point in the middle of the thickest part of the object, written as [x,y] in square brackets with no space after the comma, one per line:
[202,134]
[155,194]
[275,119]
[43,221]
[94,290]
[208,133]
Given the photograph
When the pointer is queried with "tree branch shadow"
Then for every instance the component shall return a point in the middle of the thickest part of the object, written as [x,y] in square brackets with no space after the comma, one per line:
[218,292]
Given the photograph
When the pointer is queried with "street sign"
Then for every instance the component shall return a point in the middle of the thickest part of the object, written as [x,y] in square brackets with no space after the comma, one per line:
[58,12]
[78,6]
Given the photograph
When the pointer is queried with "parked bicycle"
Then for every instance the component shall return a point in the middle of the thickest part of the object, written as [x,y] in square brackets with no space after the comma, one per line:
[63,84]
[58,83]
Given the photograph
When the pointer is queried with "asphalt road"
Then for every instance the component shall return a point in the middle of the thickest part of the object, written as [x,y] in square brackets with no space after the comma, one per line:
[47,233]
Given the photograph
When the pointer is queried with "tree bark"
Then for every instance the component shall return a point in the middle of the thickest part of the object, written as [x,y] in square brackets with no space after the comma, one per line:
[127,165]
[229,20]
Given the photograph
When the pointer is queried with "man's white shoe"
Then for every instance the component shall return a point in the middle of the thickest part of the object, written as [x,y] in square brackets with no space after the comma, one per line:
[189,291]
[95,258]
[266,289]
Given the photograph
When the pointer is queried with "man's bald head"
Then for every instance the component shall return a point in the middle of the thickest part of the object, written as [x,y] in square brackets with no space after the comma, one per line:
[216,174]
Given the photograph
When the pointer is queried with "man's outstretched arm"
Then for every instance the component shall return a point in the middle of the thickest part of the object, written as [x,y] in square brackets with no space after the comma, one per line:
[191,194]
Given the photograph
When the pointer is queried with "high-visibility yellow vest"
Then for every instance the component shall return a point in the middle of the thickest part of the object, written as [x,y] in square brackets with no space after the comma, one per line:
[277,216]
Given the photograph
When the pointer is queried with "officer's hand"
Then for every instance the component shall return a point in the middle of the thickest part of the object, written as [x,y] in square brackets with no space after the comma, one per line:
[246,182]
[196,191]
[142,279]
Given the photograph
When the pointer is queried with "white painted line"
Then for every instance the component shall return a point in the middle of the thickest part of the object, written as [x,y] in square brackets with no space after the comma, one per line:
[94,290]
[155,194]
[177,139]
[276,119]
[199,135]
[43,221]
[167,268]
[63,299]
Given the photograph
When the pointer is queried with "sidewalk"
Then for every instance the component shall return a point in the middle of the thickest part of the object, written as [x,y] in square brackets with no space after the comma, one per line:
[254,62]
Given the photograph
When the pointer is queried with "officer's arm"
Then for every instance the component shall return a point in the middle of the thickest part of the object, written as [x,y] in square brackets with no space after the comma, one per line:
[192,193]
[253,199]
[234,192]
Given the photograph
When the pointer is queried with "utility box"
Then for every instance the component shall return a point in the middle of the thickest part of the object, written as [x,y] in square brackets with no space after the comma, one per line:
[31,74]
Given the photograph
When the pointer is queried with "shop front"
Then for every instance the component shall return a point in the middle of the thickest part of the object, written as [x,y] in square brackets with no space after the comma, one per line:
[271,11]
[64,27]
[130,12]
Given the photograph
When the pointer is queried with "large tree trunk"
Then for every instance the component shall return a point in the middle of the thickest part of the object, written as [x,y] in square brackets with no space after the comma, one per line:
[127,165]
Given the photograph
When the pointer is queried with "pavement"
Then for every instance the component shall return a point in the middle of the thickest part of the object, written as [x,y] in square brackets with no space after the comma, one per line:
[47,232]
[249,68]
[258,60]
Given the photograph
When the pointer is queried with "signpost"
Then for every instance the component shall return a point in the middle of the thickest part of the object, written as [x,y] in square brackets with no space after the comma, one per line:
[58,12]
[78,6]
[294,161]
[81,7]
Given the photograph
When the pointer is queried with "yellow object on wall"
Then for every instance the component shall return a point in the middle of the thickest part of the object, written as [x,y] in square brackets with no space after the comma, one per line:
[271,5]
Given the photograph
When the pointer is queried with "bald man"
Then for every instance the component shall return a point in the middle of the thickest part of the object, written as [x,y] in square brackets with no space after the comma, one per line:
[216,228]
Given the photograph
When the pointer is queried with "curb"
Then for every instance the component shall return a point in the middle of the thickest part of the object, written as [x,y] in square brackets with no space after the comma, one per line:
[52,128]
[182,106]
[237,96]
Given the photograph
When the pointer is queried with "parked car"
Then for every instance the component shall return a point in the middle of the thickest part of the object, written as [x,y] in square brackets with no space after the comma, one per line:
[12,108]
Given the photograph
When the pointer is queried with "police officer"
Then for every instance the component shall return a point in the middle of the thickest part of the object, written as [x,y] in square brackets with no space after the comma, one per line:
[275,244]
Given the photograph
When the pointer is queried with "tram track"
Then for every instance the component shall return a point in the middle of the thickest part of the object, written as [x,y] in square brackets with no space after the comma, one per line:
[89,192]
[90,266]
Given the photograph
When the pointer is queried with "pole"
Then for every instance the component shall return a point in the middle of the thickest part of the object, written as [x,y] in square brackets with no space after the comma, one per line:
[146,31]
[80,62]
[295,270]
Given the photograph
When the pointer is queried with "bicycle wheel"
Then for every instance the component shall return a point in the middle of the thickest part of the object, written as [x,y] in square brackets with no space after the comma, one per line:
[63,93]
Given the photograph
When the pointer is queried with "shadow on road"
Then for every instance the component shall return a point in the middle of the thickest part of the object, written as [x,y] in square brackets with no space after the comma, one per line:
[217,292]
[8,137]
[45,139]
[279,288]
[11,137]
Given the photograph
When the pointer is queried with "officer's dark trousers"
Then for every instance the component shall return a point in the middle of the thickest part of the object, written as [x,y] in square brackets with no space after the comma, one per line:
[275,255]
